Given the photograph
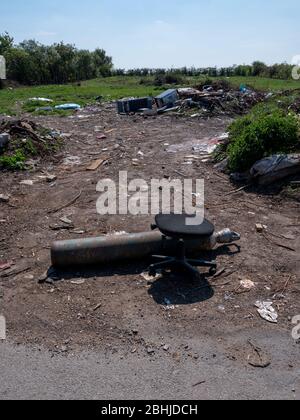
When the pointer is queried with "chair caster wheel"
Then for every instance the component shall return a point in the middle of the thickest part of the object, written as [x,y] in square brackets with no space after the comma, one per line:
[213,271]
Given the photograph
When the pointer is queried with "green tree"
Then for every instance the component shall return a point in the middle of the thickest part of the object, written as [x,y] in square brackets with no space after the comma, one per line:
[6,43]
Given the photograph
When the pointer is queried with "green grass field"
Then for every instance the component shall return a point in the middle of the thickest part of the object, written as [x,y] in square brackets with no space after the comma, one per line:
[12,101]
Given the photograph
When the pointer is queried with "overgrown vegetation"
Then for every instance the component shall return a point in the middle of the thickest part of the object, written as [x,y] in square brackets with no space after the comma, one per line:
[14,161]
[28,141]
[267,130]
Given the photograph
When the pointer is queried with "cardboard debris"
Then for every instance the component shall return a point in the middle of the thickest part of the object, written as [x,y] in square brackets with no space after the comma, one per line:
[96,164]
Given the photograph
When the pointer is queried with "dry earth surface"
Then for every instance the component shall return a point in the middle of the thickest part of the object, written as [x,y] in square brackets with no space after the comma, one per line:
[202,330]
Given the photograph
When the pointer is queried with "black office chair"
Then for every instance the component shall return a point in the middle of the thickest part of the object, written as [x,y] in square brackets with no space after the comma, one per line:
[174,226]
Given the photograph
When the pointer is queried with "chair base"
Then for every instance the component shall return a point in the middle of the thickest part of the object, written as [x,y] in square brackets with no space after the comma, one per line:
[185,264]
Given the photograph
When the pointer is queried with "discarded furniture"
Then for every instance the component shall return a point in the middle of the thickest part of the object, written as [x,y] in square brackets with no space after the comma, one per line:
[126,106]
[175,226]
[116,248]
[167,99]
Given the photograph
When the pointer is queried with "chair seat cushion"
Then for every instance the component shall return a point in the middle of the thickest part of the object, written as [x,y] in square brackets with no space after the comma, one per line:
[174,225]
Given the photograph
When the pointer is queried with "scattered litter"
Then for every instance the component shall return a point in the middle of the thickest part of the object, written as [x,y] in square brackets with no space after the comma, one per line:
[51,178]
[258,358]
[221,308]
[259,228]
[97,307]
[79,232]
[147,277]
[4,198]
[67,204]
[128,105]
[267,312]
[96,164]
[188,92]
[5,266]
[78,282]
[72,161]
[247,284]
[101,137]
[66,107]
[66,221]
[27,182]
[121,233]
[61,227]
[39,100]
[167,99]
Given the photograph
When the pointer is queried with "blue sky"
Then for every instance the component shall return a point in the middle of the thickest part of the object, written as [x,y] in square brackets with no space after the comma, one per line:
[163,33]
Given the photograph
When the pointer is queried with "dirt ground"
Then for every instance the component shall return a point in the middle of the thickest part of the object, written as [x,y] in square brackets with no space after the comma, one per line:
[134,315]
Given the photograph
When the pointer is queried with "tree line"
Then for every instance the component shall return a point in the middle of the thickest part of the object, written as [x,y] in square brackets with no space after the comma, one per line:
[258,69]
[32,63]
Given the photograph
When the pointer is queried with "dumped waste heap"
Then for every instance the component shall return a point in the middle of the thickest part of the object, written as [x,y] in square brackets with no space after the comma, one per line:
[212,102]
[218,99]
[24,140]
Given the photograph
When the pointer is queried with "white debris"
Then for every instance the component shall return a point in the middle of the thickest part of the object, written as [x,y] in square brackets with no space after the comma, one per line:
[78,282]
[247,284]
[27,182]
[267,312]
[147,277]
[72,160]
[4,198]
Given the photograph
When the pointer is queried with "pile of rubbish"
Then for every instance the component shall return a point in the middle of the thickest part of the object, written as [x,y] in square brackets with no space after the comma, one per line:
[28,137]
[210,101]
[218,102]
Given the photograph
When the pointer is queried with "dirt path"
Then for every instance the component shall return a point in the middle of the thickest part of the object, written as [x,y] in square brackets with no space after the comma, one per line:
[135,318]
[217,374]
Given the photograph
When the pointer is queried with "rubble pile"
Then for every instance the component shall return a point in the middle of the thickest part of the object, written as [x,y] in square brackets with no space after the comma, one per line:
[26,130]
[203,101]
[25,139]
[211,102]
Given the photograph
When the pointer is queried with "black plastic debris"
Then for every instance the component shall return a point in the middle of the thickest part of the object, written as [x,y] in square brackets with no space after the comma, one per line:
[126,106]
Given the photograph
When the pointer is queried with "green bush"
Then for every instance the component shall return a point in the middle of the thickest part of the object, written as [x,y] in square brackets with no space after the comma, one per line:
[13,162]
[262,133]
